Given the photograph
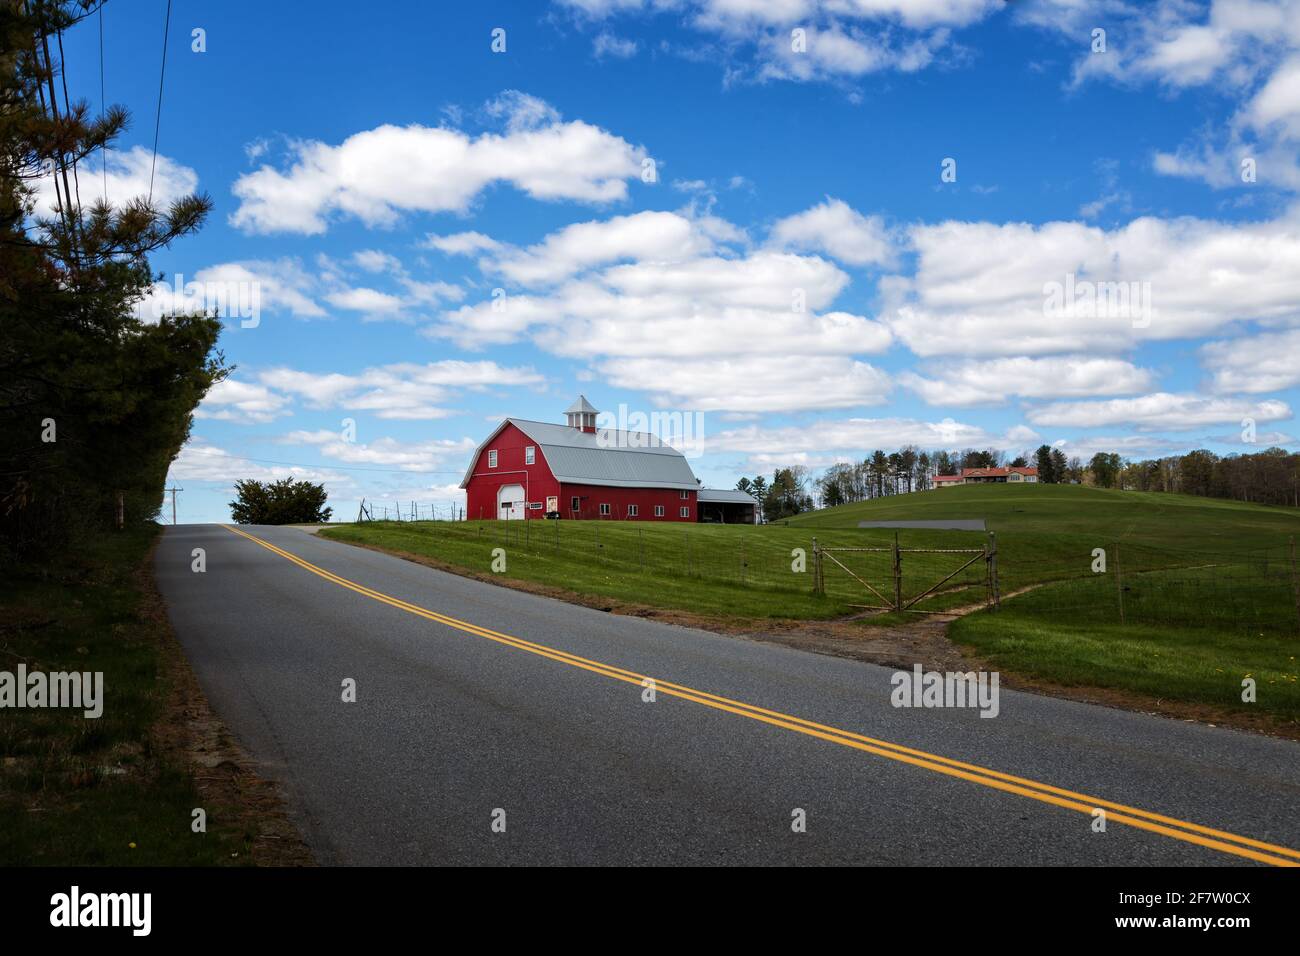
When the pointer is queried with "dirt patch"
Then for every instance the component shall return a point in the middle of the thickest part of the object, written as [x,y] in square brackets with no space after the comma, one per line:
[191,735]
[923,641]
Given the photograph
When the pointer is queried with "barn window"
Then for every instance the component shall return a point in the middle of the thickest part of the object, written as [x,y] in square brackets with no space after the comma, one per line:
[492,458]
[631,511]
[684,495]
[686,512]
[604,509]
[659,511]
[573,503]
[530,455]
[535,505]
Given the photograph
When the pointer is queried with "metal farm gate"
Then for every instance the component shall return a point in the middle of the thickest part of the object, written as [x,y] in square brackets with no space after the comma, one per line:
[895,599]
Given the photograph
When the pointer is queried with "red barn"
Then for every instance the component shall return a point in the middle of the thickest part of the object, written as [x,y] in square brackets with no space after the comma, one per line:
[529,469]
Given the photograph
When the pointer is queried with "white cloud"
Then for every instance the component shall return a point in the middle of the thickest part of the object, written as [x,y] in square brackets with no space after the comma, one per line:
[280,286]
[1278,103]
[1246,49]
[1158,412]
[1126,446]
[708,307]
[234,400]
[845,38]
[607,45]
[833,51]
[378,174]
[691,317]
[426,456]
[859,436]
[521,111]
[127,179]
[1181,45]
[462,243]
[369,301]
[399,391]
[285,286]
[752,383]
[657,236]
[1258,363]
[982,288]
[997,381]
[372,260]
[1189,56]
[200,461]
[835,228]
[431,293]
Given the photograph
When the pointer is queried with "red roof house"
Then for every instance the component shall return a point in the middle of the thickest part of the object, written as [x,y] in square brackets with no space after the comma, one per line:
[981,476]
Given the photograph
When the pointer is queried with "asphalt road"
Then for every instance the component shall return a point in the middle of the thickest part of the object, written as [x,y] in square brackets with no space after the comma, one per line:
[540,720]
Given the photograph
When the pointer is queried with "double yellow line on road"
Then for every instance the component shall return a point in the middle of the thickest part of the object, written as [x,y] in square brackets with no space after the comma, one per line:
[1044,793]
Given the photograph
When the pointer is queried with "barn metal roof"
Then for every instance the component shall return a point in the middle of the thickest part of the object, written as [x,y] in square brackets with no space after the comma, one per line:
[608,456]
[730,495]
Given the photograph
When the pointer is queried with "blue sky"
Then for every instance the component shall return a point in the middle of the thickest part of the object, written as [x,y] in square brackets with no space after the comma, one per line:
[655,188]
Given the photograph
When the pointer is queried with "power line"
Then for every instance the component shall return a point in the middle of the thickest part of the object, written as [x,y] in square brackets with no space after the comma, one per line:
[173,489]
[389,471]
[67,111]
[102,100]
[157,123]
[63,202]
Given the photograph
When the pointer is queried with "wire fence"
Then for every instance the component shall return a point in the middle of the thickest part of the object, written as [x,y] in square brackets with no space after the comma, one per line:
[1256,590]
[1126,582]
[410,511]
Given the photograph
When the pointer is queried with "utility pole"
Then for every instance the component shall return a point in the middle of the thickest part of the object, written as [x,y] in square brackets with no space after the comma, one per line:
[173,489]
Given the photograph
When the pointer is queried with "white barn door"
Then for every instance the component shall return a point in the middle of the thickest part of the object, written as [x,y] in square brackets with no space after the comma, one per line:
[510,502]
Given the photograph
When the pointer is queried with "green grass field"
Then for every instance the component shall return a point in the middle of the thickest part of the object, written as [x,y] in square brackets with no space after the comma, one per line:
[1197,593]
[77,791]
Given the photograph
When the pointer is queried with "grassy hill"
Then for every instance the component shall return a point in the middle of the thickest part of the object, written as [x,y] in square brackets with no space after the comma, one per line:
[1196,594]
[1210,551]
[1152,519]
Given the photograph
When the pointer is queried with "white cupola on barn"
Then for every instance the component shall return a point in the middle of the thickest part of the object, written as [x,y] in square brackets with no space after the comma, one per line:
[581,415]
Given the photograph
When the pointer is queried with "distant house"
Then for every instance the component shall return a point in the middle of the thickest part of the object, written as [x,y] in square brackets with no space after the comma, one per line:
[984,476]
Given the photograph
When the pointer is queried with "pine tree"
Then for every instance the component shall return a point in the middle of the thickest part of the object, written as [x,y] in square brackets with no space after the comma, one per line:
[94,403]
[1046,466]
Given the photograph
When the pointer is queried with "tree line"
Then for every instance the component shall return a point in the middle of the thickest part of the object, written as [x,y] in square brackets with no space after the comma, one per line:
[94,403]
[1270,477]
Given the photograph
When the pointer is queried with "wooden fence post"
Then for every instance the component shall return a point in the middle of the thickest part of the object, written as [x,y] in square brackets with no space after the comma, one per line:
[1119,585]
[1295,579]
[898,575]
[994,596]
[817,568]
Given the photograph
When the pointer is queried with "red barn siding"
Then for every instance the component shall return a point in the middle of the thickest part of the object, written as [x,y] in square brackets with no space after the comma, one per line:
[538,482]
[591,497]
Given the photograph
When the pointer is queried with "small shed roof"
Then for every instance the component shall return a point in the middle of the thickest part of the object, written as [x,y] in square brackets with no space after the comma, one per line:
[727,495]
